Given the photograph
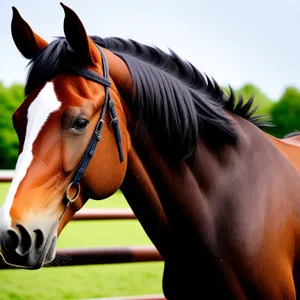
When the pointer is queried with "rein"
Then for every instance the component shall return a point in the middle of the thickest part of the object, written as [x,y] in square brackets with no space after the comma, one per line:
[96,137]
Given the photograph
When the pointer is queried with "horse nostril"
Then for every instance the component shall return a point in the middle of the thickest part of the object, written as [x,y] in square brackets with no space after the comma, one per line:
[9,241]
[25,241]
[39,237]
[13,238]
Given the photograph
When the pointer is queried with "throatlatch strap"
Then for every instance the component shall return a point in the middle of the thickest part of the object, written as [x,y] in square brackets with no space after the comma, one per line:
[116,128]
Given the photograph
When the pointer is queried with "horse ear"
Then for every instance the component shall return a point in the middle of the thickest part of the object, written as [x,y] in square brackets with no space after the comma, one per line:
[27,41]
[76,35]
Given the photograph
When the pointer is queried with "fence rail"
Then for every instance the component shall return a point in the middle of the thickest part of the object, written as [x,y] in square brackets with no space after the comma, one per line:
[6,175]
[100,255]
[148,297]
[104,214]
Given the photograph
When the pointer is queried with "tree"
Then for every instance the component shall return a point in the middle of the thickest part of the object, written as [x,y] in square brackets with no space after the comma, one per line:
[10,98]
[286,113]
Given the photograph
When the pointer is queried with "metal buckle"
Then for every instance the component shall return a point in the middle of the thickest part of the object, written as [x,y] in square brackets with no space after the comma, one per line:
[72,199]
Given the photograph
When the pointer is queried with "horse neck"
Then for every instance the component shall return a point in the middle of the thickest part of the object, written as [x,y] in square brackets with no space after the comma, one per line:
[161,193]
[166,198]
[174,201]
[142,196]
[141,192]
[156,190]
[177,202]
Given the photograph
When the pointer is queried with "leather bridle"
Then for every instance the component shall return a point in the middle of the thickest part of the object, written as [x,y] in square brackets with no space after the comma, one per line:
[96,137]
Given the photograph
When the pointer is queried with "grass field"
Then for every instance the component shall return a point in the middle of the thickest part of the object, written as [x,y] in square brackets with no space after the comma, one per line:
[87,281]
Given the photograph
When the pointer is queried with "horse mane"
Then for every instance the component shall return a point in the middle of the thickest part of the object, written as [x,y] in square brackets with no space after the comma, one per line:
[172,100]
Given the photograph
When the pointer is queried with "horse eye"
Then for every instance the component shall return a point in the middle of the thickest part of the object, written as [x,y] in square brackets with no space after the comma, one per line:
[80,124]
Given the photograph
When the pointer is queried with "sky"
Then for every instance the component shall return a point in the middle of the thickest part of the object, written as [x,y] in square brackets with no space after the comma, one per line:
[233,41]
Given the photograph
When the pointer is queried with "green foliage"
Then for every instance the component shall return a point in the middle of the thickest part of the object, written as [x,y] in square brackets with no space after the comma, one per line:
[10,98]
[286,112]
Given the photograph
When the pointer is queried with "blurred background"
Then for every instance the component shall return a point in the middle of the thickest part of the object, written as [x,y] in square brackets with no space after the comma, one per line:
[252,46]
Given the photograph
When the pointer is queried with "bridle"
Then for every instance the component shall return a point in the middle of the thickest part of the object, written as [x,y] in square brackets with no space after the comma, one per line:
[96,137]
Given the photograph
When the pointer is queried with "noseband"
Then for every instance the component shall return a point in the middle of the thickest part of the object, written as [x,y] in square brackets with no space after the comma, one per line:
[96,137]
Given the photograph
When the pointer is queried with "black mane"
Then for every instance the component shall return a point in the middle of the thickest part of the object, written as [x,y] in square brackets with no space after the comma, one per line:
[175,102]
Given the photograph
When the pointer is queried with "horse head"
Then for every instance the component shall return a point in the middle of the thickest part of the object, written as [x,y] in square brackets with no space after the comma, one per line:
[68,108]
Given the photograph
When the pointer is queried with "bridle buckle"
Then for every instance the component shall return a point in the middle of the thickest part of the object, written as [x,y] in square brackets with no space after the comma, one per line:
[69,198]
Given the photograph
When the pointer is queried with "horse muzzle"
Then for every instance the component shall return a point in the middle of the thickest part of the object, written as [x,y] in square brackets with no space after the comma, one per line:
[27,249]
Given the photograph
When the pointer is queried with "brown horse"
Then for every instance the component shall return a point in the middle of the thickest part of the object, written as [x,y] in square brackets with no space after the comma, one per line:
[218,197]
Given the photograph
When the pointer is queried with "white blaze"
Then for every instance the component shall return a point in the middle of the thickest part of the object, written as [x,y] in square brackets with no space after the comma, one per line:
[38,113]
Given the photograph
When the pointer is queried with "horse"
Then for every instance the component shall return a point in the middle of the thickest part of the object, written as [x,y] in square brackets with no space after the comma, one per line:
[217,196]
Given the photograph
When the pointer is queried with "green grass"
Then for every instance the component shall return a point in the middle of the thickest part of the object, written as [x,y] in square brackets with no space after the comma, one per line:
[88,281]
